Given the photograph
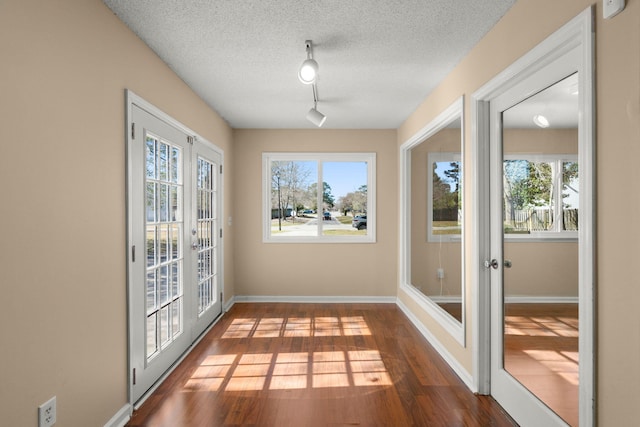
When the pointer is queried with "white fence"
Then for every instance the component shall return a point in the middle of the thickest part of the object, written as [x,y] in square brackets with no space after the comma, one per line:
[540,219]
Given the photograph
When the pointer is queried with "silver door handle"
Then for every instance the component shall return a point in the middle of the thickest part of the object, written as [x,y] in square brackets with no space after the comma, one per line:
[194,246]
[491,264]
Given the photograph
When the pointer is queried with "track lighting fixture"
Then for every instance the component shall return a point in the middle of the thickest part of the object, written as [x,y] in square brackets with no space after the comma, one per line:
[316,117]
[309,69]
[541,121]
[308,74]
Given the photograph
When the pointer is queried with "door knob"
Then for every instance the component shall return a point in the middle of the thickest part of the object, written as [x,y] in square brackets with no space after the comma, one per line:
[194,245]
[491,264]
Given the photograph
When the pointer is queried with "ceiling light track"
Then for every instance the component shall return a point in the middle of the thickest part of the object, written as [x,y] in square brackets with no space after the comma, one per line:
[308,74]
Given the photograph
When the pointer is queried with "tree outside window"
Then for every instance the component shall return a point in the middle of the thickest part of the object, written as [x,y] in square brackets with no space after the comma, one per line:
[318,197]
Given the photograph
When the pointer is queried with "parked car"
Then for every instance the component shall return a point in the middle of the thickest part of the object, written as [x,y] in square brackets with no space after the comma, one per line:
[327,215]
[359,222]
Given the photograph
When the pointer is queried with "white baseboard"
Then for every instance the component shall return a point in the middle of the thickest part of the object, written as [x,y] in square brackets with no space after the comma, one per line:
[121,417]
[316,299]
[445,299]
[226,306]
[464,375]
[524,299]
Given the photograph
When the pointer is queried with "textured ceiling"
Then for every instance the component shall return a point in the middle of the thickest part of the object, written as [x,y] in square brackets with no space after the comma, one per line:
[379,59]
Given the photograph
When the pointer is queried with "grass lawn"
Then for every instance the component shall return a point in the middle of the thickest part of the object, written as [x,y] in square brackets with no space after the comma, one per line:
[345,219]
[353,232]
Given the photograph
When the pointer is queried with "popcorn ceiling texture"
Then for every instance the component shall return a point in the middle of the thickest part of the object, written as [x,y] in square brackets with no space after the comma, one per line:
[378,59]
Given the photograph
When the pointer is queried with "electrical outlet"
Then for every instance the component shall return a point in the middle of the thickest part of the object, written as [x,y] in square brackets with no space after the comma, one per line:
[440,273]
[47,413]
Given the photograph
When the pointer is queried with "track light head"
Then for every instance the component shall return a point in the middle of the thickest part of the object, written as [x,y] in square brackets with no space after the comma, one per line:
[308,75]
[541,121]
[308,71]
[316,117]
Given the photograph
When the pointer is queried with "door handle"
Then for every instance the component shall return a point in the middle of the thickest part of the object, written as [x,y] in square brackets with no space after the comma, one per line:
[491,264]
[194,246]
[494,264]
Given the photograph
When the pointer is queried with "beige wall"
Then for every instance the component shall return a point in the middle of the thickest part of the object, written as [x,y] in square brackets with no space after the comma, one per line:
[282,269]
[541,269]
[63,321]
[540,141]
[618,151]
[65,65]
[544,269]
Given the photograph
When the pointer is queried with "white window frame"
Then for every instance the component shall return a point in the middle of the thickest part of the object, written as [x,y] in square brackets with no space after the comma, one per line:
[557,233]
[432,158]
[269,157]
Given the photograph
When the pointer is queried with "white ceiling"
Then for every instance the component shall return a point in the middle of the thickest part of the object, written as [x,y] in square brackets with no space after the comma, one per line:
[558,103]
[379,59]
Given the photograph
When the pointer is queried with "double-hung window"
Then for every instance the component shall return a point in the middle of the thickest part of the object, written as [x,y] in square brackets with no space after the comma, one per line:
[319,197]
[541,196]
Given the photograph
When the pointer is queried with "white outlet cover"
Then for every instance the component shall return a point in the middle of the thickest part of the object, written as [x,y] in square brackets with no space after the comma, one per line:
[47,413]
[611,8]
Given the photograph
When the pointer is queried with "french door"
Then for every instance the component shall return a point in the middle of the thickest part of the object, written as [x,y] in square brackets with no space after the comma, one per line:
[536,187]
[174,244]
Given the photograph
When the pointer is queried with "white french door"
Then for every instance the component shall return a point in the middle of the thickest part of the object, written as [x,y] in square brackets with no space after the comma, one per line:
[174,244]
[507,162]
[205,235]
[524,394]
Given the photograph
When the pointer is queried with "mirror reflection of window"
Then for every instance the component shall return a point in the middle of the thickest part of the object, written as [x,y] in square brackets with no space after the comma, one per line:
[445,219]
[436,218]
[540,208]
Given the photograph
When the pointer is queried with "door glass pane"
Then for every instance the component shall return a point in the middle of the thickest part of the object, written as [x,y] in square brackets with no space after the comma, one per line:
[164,232]
[152,338]
[206,192]
[540,276]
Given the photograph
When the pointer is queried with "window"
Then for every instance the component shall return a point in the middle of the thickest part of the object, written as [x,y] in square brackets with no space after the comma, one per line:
[541,196]
[318,197]
[444,211]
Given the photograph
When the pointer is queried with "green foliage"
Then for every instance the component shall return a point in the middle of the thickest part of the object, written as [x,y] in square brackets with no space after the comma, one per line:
[528,184]
[327,197]
[443,196]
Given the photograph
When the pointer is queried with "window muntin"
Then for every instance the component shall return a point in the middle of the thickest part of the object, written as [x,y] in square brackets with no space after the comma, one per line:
[164,228]
[315,197]
[534,186]
[207,226]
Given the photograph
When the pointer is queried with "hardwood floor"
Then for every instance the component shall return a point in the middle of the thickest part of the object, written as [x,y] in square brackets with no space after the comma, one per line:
[315,365]
[541,352]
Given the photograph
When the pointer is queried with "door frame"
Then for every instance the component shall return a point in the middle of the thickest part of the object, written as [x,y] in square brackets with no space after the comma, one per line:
[577,33]
[131,99]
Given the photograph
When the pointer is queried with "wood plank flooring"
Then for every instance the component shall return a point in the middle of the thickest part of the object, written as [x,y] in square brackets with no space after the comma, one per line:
[541,352]
[315,365]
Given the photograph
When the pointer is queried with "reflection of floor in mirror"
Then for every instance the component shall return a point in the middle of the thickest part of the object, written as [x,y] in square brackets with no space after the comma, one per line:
[453,308]
[541,352]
